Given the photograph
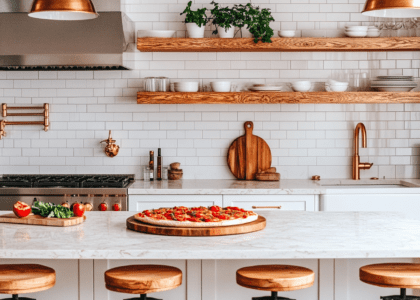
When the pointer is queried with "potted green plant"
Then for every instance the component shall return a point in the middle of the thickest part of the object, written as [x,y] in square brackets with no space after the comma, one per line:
[195,21]
[256,20]
[223,19]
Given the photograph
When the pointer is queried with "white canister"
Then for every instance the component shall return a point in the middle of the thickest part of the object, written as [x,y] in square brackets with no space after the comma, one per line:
[226,33]
[194,31]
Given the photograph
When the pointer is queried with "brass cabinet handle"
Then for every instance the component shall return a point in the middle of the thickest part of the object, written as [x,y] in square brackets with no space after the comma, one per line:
[260,207]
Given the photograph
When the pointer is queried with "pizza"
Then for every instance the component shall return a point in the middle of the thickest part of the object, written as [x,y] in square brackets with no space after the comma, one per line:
[181,216]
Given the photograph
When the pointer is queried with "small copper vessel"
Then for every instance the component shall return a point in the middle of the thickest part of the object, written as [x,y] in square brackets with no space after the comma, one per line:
[111,149]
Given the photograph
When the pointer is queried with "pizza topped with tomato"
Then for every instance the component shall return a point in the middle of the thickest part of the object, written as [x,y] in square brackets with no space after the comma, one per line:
[181,216]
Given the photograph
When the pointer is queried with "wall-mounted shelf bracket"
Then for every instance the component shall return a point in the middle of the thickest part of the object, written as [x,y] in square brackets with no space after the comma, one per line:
[6,113]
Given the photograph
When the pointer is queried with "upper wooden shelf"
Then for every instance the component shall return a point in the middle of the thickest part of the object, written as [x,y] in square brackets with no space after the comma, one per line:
[276,97]
[278,44]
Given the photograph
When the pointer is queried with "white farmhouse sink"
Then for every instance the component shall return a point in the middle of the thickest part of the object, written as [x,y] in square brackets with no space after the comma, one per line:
[365,186]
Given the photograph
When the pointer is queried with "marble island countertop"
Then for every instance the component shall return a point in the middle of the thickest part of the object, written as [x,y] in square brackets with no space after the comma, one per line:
[288,235]
[282,187]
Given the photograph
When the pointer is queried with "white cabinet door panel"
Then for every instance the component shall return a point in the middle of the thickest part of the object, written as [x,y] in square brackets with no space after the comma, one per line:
[142,202]
[407,204]
[287,202]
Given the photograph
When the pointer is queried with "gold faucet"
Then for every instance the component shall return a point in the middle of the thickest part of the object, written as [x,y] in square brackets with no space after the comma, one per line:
[357,165]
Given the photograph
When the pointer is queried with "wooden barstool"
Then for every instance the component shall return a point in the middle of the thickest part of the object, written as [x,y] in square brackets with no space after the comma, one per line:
[397,275]
[143,279]
[275,278]
[24,279]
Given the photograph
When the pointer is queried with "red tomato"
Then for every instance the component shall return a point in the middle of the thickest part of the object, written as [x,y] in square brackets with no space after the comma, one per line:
[103,207]
[21,209]
[147,213]
[215,208]
[116,207]
[79,209]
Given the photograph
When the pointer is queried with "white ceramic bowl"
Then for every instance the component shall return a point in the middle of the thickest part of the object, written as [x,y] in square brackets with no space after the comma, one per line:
[394,88]
[356,33]
[220,86]
[190,87]
[336,88]
[287,33]
[301,86]
[373,34]
[357,28]
[156,33]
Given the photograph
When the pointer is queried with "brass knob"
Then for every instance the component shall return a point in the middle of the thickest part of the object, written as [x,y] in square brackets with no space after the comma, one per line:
[65,204]
[316,177]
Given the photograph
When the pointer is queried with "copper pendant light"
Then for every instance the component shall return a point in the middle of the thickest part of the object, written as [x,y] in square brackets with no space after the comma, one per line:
[392,8]
[66,10]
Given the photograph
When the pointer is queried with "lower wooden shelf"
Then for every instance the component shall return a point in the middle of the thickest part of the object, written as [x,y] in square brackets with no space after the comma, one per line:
[276,97]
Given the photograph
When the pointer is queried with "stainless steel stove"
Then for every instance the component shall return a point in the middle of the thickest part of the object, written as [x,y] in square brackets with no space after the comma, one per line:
[98,192]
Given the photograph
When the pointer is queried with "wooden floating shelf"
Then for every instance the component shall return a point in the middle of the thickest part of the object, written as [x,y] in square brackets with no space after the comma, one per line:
[278,44]
[277,97]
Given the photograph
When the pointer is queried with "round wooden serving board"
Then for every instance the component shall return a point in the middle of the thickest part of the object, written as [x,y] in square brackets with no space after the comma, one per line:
[257,225]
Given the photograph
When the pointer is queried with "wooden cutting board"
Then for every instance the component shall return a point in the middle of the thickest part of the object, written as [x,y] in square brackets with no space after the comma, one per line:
[136,225]
[38,220]
[248,155]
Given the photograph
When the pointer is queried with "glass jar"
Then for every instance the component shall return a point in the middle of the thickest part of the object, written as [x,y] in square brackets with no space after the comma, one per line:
[165,173]
[146,173]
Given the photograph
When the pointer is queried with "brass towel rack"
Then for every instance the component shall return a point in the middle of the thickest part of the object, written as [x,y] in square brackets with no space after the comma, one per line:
[6,113]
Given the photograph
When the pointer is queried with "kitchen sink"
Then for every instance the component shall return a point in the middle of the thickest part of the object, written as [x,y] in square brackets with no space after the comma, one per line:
[366,186]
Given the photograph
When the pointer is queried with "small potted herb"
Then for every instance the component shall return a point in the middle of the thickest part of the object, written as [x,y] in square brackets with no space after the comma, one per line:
[255,20]
[195,21]
[223,19]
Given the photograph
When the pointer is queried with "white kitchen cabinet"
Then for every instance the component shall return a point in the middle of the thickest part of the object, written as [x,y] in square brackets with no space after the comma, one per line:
[287,202]
[347,285]
[67,279]
[408,204]
[142,202]
[219,280]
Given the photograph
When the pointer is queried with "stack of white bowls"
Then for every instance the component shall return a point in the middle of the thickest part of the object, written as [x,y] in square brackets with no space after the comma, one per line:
[220,86]
[356,31]
[336,86]
[373,32]
[394,83]
[185,86]
[301,86]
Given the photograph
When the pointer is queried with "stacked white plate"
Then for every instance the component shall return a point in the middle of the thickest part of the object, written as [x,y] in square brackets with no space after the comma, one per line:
[356,31]
[373,32]
[394,83]
[265,88]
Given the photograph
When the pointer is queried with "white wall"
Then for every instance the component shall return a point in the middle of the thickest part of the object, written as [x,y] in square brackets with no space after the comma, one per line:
[305,139]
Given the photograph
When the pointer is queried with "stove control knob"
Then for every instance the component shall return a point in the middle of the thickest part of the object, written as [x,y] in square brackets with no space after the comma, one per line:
[65,204]
[116,207]
[88,206]
[103,207]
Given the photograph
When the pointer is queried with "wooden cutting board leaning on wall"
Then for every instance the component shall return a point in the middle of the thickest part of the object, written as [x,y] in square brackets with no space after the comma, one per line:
[248,155]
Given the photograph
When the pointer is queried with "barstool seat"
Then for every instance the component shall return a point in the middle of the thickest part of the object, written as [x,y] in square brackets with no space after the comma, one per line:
[393,275]
[275,278]
[24,279]
[143,279]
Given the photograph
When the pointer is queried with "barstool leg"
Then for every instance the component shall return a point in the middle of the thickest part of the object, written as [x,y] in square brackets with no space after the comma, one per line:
[273,296]
[143,297]
[401,296]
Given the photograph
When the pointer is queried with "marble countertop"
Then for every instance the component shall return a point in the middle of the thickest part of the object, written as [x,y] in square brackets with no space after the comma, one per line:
[282,187]
[288,235]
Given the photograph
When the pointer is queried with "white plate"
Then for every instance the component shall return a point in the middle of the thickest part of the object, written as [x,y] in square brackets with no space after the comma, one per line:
[356,33]
[392,82]
[394,88]
[266,88]
[395,78]
[156,33]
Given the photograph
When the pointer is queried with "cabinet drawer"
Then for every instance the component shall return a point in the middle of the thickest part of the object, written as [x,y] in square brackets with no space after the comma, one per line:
[142,202]
[271,202]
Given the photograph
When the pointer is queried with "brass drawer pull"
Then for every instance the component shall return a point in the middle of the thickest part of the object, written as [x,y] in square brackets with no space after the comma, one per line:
[260,207]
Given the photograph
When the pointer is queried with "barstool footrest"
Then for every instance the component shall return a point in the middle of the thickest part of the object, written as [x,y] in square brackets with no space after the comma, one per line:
[273,296]
[143,297]
[399,297]
[16,297]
